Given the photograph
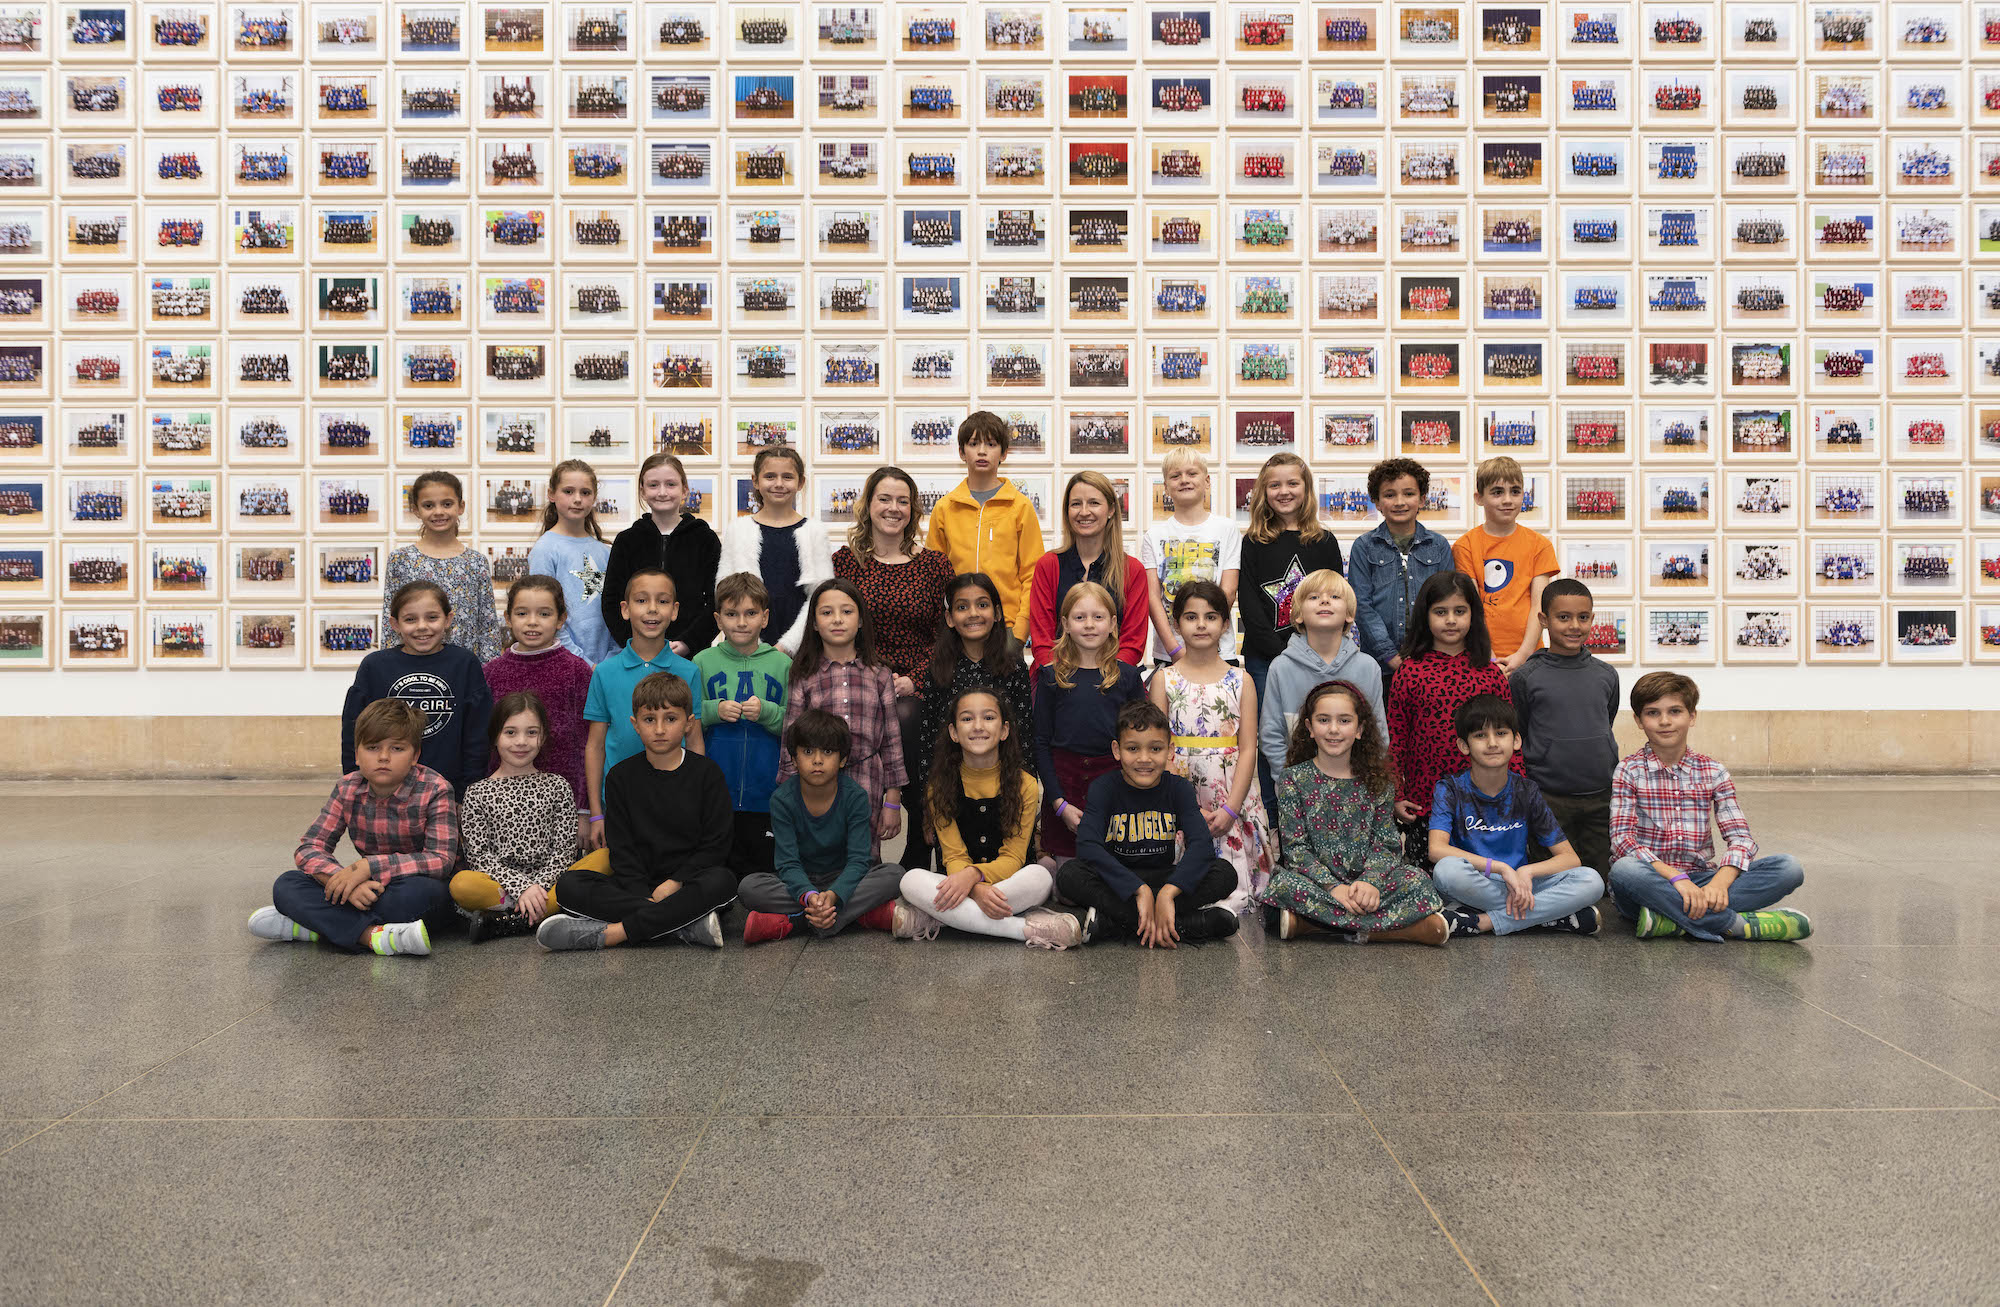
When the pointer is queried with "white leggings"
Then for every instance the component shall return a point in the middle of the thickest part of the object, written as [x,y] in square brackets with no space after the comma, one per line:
[1027,888]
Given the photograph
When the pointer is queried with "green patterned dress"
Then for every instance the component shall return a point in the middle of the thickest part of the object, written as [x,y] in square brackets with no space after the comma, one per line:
[1333,833]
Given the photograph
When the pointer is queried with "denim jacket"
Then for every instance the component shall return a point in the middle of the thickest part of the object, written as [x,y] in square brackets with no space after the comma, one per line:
[1386,585]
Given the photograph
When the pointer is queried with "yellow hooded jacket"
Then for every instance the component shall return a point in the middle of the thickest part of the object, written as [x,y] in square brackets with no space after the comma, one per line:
[1002,538]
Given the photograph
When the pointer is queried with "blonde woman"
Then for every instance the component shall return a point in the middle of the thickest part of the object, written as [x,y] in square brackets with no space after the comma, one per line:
[1093,549]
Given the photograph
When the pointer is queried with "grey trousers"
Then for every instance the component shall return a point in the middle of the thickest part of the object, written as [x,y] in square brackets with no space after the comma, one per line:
[762,891]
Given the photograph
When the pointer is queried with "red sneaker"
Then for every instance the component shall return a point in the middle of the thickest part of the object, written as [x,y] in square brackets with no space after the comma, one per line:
[763,927]
[882,918]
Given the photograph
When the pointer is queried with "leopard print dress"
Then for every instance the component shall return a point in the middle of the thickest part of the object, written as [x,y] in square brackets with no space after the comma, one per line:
[1423,695]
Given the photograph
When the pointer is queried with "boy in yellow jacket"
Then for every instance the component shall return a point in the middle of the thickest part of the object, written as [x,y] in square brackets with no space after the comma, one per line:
[986,524]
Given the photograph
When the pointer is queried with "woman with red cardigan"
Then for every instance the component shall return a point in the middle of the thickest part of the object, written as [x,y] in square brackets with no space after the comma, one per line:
[1093,549]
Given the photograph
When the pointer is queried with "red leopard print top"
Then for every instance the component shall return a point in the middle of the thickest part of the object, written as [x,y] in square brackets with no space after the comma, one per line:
[1423,694]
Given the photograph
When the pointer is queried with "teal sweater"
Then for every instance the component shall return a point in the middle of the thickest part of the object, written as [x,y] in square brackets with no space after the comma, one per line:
[821,853]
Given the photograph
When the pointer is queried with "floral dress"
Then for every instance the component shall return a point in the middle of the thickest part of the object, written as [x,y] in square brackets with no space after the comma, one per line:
[468,579]
[1336,833]
[1205,720]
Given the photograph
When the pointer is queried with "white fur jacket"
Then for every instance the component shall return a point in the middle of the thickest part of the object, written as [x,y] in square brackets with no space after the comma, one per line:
[743,549]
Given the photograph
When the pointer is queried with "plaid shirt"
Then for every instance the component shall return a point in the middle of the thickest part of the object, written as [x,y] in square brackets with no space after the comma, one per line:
[1661,813]
[414,832]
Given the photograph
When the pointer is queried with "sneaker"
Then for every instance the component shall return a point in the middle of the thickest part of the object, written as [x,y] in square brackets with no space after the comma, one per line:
[402,939]
[1776,923]
[1046,929]
[765,927]
[1211,922]
[565,931]
[1467,923]
[1581,922]
[908,921]
[269,923]
[487,924]
[879,918]
[1651,925]
[1089,925]
[705,931]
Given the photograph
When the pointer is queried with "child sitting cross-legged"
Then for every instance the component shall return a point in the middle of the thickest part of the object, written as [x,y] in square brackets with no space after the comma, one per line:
[822,821]
[664,868]
[1481,821]
[1343,863]
[1666,879]
[518,826]
[403,820]
[982,807]
[1127,874]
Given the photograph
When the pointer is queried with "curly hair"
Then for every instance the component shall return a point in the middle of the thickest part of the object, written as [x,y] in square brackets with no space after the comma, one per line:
[1369,756]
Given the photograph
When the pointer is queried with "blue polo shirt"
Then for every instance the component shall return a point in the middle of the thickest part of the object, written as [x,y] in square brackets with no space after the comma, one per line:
[610,699]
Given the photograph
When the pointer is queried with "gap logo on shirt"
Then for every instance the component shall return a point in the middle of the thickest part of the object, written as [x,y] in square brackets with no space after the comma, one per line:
[717,687]
[430,693]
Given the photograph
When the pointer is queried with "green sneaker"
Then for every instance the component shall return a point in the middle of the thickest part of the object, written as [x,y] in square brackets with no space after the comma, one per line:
[1776,923]
[1651,925]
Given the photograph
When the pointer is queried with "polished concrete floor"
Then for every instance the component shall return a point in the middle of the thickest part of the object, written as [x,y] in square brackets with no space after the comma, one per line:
[194,1116]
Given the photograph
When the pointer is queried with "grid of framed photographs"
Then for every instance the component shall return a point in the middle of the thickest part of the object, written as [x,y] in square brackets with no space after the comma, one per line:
[1724,278]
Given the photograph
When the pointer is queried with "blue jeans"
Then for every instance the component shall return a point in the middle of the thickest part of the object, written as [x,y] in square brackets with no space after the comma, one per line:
[1557,895]
[1635,885]
[406,898]
[1259,668]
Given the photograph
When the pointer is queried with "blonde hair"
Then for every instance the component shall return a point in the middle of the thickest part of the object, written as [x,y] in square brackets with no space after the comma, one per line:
[1182,457]
[1323,579]
[1112,543]
[1499,470]
[1068,657]
[1264,523]
[861,536]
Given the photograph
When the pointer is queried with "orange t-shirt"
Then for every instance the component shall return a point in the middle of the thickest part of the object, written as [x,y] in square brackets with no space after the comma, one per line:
[1505,568]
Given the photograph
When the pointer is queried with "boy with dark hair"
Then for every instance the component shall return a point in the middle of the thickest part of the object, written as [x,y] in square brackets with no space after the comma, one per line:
[1388,565]
[986,524]
[1482,820]
[820,819]
[743,684]
[1567,698]
[403,820]
[1512,563]
[1666,879]
[663,871]
[1126,875]
[649,606]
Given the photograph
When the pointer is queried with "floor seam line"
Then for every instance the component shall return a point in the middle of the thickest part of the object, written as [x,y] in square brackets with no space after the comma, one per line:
[1922,1061]
[87,898]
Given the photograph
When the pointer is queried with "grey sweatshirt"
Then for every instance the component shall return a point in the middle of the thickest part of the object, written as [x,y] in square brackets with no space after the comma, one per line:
[1566,705]
[1293,675]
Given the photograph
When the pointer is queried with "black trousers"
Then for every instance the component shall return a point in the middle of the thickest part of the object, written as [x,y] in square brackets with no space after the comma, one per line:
[1118,915]
[611,898]
[916,762]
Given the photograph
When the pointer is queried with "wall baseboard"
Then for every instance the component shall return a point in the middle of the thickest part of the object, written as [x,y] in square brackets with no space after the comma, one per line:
[1750,743]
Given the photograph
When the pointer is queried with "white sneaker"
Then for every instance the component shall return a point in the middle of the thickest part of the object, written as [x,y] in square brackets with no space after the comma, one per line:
[269,923]
[912,922]
[705,931]
[403,939]
[1049,929]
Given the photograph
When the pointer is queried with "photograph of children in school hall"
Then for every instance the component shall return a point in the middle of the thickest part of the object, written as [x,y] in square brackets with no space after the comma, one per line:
[993,651]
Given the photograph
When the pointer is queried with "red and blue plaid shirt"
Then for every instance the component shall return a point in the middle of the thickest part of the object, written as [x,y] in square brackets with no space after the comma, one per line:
[1661,813]
[413,832]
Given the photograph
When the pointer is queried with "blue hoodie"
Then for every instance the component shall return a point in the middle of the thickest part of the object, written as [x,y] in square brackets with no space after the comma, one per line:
[1293,675]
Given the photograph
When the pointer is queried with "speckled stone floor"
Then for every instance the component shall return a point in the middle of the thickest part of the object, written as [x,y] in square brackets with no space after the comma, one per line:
[189,1115]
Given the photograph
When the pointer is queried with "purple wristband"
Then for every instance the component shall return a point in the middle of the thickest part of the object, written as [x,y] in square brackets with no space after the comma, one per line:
[1674,880]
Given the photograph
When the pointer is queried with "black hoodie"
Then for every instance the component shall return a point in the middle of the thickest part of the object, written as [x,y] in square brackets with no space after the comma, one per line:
[690,555]
[1566,705]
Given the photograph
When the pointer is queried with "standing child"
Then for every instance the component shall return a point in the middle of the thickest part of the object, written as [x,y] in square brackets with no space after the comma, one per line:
[1192,545]
[825,873]
[982,806]
[986,524]
[742,709]
[447,562]
[1344,868]
[444,680]
[1093,549]
[648,609]
[1211,709]
[573,550]
[1481,822]
[666,828]
[1511,562]
[837,670]
[1285,544]
[1077,698]
[671,540]
[1667,880]
[403,821]
[1126,872]
[537,661]
[1322,649]
[781,546]
[1388,565]
[1567,699]
[518,825]
[1446,660]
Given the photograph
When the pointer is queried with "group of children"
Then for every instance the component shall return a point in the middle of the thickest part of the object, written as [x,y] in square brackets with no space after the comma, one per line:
[641,753]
